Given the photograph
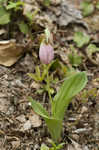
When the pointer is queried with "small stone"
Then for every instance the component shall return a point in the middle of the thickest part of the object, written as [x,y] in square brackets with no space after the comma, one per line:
[27,125]
[19,83]
[36,147]
[84,109]
[21,118]
[35,85]
[15,144]
[35,120]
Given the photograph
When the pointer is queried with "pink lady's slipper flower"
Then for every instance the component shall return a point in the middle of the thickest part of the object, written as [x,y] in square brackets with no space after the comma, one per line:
[46,53]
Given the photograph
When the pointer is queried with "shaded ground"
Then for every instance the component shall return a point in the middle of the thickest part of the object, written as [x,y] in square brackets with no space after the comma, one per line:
[81,122]
[20,127]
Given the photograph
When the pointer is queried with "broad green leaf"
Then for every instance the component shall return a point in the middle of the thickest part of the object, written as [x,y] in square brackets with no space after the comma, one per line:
[71,87]
[54,125]
[15,5]
[23,27]
[97,5]
[92,49]
[4,16]
[81,39]
[38,108]
[87,8]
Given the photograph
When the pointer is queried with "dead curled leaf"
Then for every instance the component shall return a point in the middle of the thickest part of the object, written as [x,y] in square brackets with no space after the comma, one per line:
[10,52]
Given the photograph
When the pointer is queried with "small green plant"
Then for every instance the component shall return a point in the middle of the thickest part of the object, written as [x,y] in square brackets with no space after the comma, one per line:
[14,5]
[81,39]
[54,146]
[91,49]
[38,76]
[10,9]
[71,87]
[87,8]
[5,10]
[44,76]
[4,16]
[97,5]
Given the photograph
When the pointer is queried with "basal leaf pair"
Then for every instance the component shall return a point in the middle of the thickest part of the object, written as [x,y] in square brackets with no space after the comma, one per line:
[71,87]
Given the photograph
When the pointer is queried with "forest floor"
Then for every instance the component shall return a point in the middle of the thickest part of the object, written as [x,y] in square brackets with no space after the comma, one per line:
[20,127]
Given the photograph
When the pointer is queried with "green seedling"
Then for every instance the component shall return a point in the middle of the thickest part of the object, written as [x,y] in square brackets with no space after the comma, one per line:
[4,16]
[81,39]
[70,88]
[91,49]
[14,5]
[38,76]
[97,5]
[44,147]
[44,76]
[87,8]
[53,147]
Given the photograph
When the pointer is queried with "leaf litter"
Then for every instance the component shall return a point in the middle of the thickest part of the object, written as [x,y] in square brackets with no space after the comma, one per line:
[19,127]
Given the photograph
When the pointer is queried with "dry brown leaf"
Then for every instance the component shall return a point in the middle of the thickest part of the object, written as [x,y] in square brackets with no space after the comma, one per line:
[76,145]
[27,8]
[35,120]
[15,144]
[30,6]
[35,85]
[70,147]
[2,31]
[10,52]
